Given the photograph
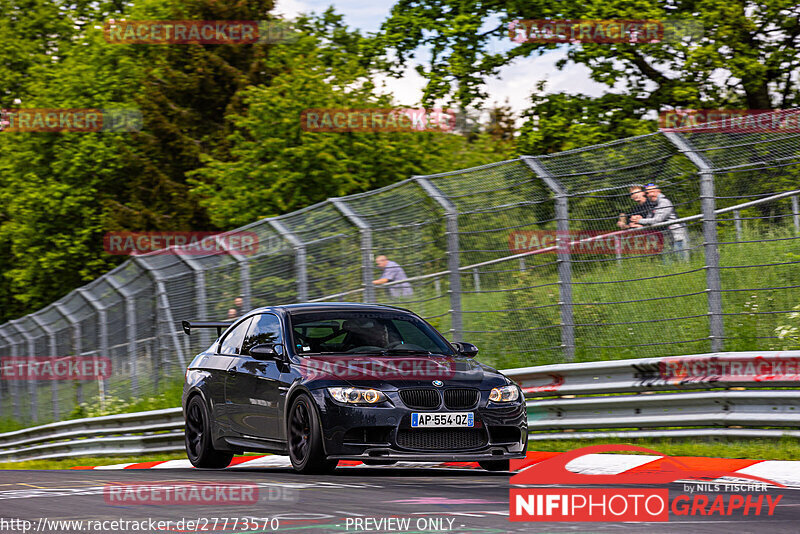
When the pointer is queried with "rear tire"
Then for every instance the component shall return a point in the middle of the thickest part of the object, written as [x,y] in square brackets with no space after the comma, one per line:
[496,465]
[305,439]
[199,447]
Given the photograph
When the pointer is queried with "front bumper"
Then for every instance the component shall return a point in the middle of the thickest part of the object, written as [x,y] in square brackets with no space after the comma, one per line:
[372,432]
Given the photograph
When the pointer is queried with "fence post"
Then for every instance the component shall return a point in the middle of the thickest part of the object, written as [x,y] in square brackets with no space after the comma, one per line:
[163,302]
[103,329]
[130,329]
[453,254]
[708,205]
[564,260]
[201,296]
[796,214]
[76,343]
[244,274]
[32,389]
[300,258]
[13,393]
[737,222]
[51,344]
[367,258]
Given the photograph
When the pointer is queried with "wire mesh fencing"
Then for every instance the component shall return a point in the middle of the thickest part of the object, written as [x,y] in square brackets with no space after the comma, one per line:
[536,260]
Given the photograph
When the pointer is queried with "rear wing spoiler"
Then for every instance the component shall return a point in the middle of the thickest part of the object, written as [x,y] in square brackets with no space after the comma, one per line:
[219,325]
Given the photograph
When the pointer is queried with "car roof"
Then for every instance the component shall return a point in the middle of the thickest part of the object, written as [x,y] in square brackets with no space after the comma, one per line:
[330,306]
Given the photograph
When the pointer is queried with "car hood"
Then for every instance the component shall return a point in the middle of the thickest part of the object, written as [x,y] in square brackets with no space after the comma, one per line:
[397,372]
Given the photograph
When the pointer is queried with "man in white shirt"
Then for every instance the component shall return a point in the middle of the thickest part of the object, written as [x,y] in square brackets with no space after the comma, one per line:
[392,272]
[663,210]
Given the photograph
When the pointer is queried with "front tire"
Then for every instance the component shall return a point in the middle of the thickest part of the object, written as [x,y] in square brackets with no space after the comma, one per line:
[305,439]
[496,465]
[197,434]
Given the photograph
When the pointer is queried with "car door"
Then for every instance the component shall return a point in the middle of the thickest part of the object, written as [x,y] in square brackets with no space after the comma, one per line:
[253,387]
[226,354]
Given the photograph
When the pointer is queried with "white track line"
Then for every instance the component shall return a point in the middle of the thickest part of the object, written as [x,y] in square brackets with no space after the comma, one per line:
[608,464]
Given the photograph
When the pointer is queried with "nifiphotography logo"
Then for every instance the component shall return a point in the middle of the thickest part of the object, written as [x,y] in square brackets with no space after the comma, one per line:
[567,497]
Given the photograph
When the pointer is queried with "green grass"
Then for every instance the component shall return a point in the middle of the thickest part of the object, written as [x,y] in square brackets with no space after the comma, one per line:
[101,460]
[89,461]
[755,449]
[169,398]
[513,329]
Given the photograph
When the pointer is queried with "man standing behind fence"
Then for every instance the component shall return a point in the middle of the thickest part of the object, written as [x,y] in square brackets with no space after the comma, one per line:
[392,272]
[663,210]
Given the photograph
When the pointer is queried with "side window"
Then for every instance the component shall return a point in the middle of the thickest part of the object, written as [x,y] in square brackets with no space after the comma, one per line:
[265,328]
[232,341]
[410,334]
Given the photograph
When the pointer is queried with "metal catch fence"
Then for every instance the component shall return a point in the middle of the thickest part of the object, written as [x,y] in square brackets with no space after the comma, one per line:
[524,258]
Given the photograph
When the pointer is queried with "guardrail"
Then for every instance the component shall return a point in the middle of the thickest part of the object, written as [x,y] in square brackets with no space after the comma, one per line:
[130,434]
[746,395]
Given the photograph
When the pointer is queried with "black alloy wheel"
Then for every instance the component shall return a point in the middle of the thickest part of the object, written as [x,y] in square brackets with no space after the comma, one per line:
[305,439]
[199,448]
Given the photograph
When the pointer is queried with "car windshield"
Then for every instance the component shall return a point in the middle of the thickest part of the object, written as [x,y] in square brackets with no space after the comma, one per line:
[337,332]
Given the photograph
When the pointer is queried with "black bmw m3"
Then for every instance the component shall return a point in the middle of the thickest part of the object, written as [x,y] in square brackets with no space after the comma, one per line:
[345,381]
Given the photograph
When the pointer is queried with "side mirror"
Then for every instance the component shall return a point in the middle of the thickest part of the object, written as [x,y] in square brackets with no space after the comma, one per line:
[267,351]
[466,349]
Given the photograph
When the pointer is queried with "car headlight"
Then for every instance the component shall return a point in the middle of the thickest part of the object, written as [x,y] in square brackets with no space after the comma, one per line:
[504,394]
[357,395]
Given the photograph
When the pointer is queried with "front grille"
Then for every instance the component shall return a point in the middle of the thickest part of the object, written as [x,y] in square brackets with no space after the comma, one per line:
[461,399]
[441,439]
[420,398]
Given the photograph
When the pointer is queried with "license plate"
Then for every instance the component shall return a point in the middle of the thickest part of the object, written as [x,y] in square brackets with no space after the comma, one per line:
[442,420]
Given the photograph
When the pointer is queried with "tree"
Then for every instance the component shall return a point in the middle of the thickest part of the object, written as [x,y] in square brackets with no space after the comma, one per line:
[186,93]
[228,115]
[277,167]
[746,57]
[561,121]
[38,34]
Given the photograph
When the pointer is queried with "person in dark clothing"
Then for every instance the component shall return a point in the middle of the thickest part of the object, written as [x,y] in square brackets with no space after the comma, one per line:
[643,209]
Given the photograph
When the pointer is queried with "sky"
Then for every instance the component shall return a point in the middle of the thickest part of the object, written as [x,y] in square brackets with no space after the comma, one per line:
[514,82]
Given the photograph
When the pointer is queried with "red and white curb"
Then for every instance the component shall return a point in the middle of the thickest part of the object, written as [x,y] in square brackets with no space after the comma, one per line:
[783,472]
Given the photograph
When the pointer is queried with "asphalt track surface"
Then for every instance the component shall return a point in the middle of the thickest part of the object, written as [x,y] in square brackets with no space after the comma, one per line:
[432,499]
